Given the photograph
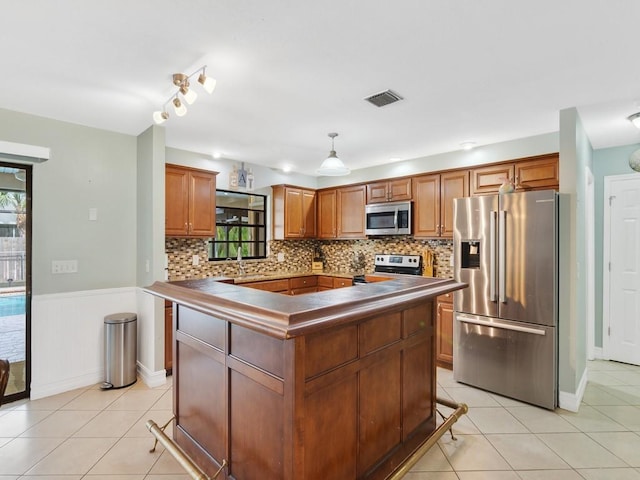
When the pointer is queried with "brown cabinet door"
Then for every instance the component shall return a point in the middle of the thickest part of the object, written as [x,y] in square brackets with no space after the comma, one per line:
[176,220]
[327,206]
[202,204]
[452,185]
[487,180]
[444,332]
[309,213]
[377,192]
[400,190]
[426,212]
[538,174]
[190,202]
[350,211]
[168,337]
[293,213]
[389,191]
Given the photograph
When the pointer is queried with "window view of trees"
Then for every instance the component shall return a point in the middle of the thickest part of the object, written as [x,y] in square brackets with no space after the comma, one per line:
[13,222]
[240,226]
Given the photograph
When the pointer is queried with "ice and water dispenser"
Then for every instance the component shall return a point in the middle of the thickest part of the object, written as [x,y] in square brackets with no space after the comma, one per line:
[470,254]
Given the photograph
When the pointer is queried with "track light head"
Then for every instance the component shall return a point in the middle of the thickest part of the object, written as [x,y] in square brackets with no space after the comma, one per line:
[179,107]
[188,94]
[160,117]
[208,83]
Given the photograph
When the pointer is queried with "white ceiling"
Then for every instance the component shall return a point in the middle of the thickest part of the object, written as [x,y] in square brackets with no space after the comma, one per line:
[291,71]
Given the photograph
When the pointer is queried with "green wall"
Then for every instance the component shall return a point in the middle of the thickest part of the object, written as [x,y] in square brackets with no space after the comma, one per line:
[88,168]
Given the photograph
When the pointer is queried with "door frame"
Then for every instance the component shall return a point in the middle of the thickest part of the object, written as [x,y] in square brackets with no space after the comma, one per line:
[606,257]
[28,168]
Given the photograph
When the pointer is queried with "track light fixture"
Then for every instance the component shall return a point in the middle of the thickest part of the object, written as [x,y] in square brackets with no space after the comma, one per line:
[181,81]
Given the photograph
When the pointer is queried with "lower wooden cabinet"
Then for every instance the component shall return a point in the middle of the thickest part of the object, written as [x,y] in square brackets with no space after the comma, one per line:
[444,331]
[301,285]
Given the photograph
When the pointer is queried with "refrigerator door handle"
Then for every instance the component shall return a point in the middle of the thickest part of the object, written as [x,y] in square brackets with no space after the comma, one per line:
[502,254]
[492,257]
[487,323]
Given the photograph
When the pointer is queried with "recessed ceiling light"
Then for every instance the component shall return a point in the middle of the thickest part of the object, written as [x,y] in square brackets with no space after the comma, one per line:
[467,145]
[217,155]
[287,168]
[395,159]
[635,119]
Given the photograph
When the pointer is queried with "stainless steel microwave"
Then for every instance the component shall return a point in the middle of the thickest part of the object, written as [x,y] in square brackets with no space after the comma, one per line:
[388,218]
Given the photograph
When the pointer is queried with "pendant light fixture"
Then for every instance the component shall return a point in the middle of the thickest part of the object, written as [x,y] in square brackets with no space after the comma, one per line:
[333,166]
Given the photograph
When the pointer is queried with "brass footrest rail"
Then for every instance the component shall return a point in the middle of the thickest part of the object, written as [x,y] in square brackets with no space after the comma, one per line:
[459,409]
[176,452]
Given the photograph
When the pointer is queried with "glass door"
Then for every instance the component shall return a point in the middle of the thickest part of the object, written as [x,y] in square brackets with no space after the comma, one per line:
[15,276]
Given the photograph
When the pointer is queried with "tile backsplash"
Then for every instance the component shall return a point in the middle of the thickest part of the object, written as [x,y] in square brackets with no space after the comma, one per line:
[339,256]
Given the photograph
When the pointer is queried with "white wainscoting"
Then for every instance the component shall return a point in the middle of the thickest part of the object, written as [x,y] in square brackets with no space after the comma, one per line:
[67,338]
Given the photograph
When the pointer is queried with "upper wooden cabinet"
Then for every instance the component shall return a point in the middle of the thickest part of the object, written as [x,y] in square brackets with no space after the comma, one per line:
[350,202]
[341,212]
[190,202]
[433,202]
[536,173]
[327,213]
[294,212]
[389,191]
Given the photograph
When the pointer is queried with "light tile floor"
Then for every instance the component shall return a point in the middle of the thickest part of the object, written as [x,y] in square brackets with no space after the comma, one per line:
[100,435]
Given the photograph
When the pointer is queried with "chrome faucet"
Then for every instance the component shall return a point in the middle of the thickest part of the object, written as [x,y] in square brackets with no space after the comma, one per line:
[241,267]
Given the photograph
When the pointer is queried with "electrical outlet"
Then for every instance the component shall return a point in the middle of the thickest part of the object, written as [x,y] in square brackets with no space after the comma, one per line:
[195,260]
[280,257]
[64,266]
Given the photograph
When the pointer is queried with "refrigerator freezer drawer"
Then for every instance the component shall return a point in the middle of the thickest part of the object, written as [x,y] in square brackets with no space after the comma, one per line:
[513,359]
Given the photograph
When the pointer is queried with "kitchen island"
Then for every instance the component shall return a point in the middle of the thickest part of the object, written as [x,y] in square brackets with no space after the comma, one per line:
[338,384]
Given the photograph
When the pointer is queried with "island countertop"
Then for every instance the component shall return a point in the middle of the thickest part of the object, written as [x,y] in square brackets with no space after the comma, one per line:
[284,316]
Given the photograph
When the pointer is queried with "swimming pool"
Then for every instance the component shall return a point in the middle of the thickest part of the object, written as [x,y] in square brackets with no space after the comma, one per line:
[12,305]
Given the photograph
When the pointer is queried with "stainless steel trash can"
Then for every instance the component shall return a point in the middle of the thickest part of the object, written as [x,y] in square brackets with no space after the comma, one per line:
[120,349]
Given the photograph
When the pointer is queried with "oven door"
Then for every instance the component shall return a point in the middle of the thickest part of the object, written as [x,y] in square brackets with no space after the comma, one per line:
[514,359]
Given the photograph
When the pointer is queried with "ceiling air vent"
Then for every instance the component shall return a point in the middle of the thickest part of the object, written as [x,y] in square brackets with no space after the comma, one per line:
[383,98]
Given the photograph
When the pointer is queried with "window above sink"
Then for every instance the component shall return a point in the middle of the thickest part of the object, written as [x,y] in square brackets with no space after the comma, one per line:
[241,224]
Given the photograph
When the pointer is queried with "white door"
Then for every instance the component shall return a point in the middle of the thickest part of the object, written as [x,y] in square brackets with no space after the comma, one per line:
[621,339]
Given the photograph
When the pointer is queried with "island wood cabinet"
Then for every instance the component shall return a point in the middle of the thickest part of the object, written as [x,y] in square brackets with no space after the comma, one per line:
[168,336]
[433,202]
[444,330]
[347,402]
[389,191]
[190,202]
[341,212]
[534,173]
[294,212]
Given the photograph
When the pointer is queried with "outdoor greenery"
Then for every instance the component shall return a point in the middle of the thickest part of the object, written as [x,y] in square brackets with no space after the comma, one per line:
[17,202]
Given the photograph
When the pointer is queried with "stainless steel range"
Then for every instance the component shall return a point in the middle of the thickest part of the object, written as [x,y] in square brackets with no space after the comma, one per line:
[394,263]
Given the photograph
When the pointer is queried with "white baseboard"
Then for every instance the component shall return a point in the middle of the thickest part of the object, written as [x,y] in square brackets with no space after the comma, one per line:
[53,388]
[571,401]
[150,378]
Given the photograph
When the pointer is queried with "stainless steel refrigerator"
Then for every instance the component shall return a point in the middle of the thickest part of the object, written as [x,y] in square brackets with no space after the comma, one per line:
[505,321]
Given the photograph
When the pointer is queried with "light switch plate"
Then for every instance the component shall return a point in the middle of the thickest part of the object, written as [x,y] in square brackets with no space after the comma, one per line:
[64,266]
